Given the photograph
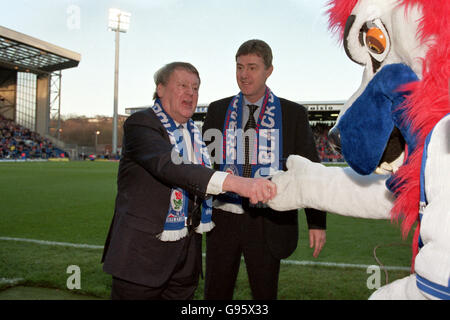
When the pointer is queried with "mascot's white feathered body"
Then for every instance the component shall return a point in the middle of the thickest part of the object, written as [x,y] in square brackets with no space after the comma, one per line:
[394,133]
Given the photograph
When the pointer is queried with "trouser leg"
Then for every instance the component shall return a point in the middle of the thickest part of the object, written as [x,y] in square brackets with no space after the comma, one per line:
[262,268]
[184,281]
[223,256]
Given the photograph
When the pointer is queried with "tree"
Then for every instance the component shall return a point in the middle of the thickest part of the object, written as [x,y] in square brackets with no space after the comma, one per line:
[81,130]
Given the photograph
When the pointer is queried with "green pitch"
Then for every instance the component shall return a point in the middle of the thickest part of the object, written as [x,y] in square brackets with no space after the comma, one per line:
[73,202]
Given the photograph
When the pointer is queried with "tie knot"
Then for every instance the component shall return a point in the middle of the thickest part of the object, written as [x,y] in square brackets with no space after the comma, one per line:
[251,123]
[252,108]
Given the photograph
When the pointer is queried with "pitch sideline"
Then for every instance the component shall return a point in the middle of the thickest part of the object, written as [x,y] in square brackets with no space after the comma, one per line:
[291,262]
[10,281]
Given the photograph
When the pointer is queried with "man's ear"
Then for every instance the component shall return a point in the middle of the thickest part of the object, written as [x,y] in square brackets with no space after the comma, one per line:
[269,71]
[160,89]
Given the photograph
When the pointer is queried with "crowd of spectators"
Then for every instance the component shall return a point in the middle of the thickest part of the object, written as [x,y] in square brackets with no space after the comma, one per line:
[17,142]
[326,152]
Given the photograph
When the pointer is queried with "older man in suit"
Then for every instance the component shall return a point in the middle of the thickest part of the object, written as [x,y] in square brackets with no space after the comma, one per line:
[280,128]
[152,250]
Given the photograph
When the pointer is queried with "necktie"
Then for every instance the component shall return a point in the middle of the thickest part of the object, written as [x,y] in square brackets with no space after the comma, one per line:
[251,124]
[185,145]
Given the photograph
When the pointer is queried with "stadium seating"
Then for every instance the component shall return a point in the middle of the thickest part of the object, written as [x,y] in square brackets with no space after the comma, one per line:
[17,142]
[326,152]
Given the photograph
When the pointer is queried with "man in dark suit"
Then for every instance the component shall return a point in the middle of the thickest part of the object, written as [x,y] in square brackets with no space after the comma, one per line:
[151,250]
[262,235]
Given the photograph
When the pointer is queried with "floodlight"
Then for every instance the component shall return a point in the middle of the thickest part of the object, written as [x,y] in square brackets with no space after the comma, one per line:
[118,20]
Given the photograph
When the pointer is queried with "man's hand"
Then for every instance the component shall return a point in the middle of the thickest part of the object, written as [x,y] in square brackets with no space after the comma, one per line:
[256,189]
[317,239]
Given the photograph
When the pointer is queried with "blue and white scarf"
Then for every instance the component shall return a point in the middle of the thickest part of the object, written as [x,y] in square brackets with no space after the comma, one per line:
[175,226]
[267,149]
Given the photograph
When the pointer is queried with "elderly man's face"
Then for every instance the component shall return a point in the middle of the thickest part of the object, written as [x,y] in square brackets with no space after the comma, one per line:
[180,95]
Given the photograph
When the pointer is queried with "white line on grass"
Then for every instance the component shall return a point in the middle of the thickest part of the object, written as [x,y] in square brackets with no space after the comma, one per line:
[53,243]
[340,265]
[10,281]
[293,262]
[334,264]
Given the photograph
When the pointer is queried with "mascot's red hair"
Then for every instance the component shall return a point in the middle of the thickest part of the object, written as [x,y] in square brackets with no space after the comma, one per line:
[394,133]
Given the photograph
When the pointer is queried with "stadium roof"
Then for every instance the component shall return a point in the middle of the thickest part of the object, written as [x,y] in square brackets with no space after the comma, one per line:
[21,52]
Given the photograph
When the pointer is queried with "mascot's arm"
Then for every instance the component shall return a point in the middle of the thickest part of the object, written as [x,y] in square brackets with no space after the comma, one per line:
[334,189]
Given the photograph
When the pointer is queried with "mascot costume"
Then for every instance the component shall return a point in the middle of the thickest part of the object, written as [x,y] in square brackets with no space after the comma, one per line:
[394,133]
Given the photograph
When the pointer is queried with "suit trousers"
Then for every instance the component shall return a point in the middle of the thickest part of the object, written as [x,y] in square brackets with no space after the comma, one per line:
[234,235]
[181,285]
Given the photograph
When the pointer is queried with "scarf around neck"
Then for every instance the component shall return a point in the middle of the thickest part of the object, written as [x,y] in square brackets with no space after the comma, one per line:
[268,141]
[175,225]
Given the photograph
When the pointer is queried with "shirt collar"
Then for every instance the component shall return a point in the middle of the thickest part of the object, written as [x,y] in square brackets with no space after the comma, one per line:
[257,103]
[177,124]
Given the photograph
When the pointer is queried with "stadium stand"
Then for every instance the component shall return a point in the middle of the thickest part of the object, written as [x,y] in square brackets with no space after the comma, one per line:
[326,152]
[30,90]
[17,142]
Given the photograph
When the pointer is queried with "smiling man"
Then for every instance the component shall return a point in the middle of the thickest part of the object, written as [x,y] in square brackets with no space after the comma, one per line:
[264,129]
[153,249]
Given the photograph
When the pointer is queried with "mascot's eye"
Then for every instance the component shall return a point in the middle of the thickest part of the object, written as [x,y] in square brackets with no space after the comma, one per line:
[374,37]
[376,40]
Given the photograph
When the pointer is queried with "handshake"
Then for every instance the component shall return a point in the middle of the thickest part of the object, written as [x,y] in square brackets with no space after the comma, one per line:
[255,189]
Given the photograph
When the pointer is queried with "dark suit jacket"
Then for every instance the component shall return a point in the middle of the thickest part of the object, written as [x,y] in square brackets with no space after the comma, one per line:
[145,178]
[280,228]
